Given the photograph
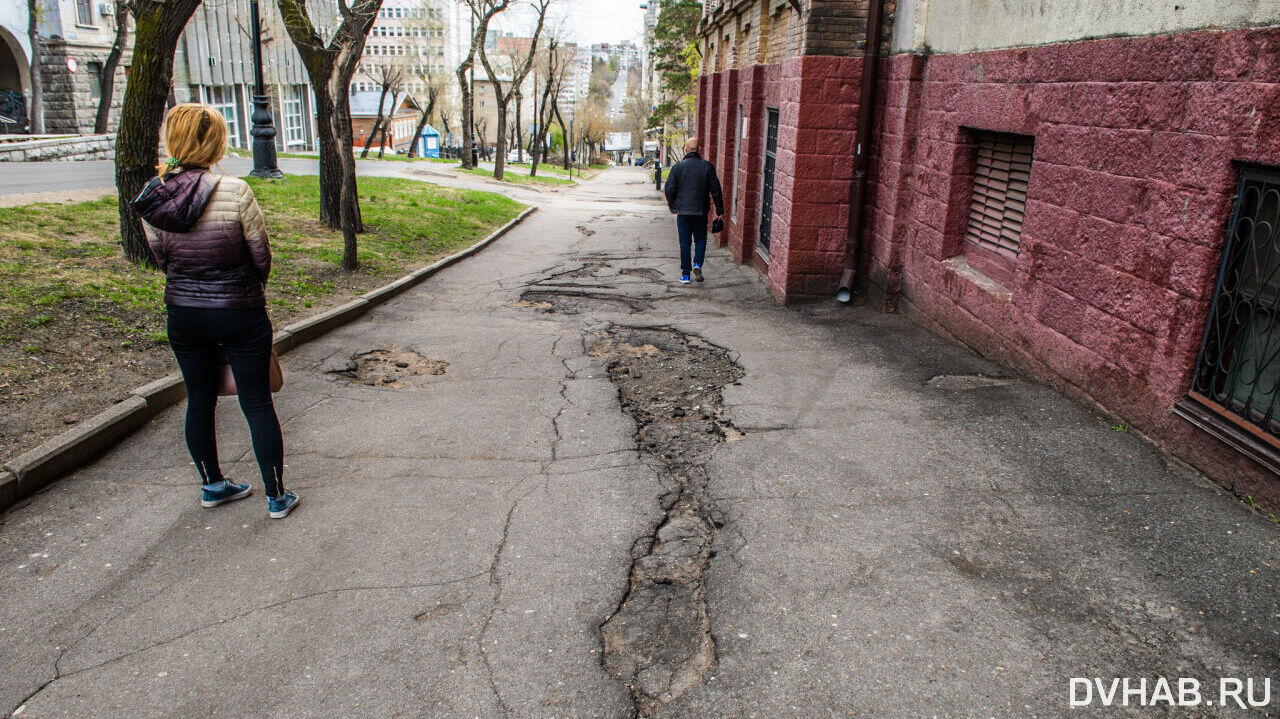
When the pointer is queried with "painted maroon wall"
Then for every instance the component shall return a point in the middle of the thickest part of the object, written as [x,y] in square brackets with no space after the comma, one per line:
[817,101]
[1138,147]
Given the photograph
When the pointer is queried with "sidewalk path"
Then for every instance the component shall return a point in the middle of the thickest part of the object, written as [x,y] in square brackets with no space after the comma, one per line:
[822,512]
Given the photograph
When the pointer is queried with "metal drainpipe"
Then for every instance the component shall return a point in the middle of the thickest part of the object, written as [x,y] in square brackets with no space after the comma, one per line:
[862,151]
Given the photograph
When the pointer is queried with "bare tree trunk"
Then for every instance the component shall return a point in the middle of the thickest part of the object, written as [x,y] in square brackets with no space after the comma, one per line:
[540,132]
[107,80]
[330,161]
[395,98]
[377,123]
[500,152]
[564,130]
[35,113]
[518,135]
[158,26]
[468,137]
[330,68]
[422,122]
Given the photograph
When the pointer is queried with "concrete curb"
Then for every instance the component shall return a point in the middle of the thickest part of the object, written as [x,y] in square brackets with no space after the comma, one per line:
[30,472]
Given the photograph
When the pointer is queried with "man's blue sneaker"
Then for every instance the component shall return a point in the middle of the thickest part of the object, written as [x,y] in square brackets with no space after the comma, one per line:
[279,507]
[223,492]
[697,272]
[684,279]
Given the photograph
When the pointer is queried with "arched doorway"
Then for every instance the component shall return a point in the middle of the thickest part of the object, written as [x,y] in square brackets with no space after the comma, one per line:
[15,82]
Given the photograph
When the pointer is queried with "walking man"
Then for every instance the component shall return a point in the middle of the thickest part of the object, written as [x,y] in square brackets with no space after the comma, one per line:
[689,185]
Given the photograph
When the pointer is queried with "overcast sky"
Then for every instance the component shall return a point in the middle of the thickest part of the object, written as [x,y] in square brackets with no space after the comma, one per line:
[587,21]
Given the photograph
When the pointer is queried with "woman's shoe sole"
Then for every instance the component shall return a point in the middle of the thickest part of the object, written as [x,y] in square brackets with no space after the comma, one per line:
[285,512]
[208,504]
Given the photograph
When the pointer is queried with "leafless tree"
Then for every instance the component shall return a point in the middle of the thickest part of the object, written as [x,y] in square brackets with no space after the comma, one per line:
[554,69]
[331,65]
[431,94]
[518,75]
[35,113]
[482,13]
[389,76]
[107,76]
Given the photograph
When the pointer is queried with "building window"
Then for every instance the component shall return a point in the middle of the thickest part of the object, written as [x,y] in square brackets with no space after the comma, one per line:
[223,99]
[84,12]
[94,71]
[293,133]
[1001,173]
[1238,367]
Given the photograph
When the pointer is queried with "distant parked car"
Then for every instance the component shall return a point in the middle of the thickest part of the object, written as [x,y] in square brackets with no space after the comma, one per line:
[640,162]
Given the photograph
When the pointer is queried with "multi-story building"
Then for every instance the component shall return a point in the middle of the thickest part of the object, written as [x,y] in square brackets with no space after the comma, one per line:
[75,38]
[416,36]
[1088,192]
[214,65]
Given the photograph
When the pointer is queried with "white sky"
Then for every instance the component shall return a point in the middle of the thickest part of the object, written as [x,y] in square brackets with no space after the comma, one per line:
[584,21]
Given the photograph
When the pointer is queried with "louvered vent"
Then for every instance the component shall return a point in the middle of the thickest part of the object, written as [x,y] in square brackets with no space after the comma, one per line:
[1000,192]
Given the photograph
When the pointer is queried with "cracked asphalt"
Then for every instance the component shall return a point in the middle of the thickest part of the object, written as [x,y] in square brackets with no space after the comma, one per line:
[897,527]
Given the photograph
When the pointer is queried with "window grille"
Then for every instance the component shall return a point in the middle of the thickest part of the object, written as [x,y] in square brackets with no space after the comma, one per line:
[999,202]
[1237,372]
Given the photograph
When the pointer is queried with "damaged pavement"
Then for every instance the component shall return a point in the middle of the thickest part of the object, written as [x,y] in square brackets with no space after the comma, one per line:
[551,482]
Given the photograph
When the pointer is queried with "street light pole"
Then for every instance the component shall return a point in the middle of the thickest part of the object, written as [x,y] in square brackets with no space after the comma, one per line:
[263,131]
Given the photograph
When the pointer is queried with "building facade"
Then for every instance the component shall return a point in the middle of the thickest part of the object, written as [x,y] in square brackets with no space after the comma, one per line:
[1091,197]
[214,65]
[75,38]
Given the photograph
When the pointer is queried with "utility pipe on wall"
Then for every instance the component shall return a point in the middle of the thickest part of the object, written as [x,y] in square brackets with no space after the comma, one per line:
[862,151]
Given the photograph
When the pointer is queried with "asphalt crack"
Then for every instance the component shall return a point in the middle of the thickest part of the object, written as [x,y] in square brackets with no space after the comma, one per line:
[658,640]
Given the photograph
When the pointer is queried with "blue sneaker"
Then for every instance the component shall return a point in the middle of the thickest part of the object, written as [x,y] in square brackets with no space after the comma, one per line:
[223,492]
[684,279]
[279,507]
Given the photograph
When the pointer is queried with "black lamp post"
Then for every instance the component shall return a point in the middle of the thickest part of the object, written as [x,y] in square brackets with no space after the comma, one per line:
[263,131]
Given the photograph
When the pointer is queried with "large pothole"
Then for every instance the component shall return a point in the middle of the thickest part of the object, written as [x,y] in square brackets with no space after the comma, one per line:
[658,640]
[576,301]
[390,367]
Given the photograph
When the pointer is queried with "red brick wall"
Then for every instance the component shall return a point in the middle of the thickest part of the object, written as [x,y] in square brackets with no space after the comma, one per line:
[1137,141]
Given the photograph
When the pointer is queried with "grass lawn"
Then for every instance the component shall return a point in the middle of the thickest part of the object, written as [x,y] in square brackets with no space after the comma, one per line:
[76,318]
[520,176]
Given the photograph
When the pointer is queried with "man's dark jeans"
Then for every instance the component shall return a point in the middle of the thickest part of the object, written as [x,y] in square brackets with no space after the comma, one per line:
[692,230]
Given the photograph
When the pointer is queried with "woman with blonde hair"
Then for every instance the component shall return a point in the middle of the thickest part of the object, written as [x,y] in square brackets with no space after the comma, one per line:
[207,234]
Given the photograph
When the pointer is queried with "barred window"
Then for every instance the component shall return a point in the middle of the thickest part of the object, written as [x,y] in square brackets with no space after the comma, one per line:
[1238,370]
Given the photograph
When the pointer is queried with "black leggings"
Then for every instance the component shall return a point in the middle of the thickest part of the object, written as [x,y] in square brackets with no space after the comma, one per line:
[199,337]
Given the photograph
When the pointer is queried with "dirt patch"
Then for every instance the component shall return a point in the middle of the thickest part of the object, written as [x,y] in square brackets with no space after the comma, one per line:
[646,272]
[572,302]
[395,368]
[658,640]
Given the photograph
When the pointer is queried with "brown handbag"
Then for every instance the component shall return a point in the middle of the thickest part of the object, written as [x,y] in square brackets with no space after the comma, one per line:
[227,385]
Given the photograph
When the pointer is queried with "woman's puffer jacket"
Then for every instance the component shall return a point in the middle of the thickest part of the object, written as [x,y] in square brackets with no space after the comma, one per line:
[223,260]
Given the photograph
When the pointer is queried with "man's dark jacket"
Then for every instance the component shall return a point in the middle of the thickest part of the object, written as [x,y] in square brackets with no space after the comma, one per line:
[690,182]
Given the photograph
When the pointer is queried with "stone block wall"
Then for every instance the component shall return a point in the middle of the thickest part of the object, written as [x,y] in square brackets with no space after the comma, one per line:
[80,147]
[68,102]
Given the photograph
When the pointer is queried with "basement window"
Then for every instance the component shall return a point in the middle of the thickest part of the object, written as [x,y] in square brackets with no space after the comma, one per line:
[1001,173]
[1235,389]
